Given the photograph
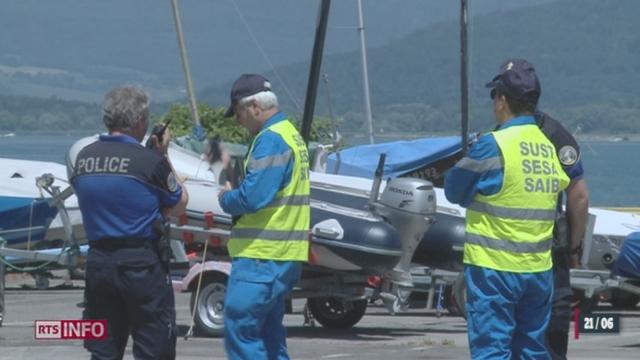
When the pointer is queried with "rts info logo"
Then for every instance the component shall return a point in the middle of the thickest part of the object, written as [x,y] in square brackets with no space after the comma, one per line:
[71,330]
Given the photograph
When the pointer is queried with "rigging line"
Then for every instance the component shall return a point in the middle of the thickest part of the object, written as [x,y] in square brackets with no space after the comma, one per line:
[266,57]
[470,34]
[469,55]
[464,76]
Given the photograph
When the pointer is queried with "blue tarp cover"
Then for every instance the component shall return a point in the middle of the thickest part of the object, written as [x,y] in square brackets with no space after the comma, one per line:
[628,262]
[402,156]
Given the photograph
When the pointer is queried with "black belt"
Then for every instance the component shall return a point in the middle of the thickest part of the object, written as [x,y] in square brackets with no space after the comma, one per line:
[120,243]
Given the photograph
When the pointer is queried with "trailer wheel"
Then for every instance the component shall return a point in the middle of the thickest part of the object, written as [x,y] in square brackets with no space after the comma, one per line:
[459,295]
[209,316]
[337,313]
[623,299]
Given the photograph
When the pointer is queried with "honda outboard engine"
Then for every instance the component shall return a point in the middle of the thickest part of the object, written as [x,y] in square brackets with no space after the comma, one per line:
[409,204]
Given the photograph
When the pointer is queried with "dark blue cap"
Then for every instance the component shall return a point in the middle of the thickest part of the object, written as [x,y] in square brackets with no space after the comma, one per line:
[246,85]
[517,79]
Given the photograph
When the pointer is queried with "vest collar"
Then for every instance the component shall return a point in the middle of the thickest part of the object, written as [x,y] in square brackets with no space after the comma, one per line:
[276,118]
[516,121]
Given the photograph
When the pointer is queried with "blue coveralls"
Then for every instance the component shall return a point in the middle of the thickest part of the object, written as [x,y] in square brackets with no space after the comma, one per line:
[508,312]
[255,302]
[121,188]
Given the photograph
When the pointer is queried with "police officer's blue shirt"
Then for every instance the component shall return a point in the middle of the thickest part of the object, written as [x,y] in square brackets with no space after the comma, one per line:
[566,145]
[121,188]
[463,183]
[261,184]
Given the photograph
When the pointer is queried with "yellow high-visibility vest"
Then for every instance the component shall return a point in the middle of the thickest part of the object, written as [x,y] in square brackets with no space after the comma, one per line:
[280,231]
[513,229]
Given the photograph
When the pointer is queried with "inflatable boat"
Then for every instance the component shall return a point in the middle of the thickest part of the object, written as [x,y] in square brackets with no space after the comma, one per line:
[443,244]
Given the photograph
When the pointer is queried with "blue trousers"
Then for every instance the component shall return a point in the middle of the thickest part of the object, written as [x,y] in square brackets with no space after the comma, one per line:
[508,313]
[254,308]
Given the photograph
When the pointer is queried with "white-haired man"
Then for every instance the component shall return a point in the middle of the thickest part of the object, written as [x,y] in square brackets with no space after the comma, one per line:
[269,241]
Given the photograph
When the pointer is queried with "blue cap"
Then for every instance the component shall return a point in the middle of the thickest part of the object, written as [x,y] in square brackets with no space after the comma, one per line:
[517,79]
[246,85]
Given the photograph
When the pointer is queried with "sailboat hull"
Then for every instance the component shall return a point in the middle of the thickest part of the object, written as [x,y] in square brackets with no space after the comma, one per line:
[24,221]
[44,222]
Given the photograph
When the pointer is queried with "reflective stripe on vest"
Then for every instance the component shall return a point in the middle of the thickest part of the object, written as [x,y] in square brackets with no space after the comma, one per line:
[512,230]
[509,245]
[290,200]
[285,235]
[280,230]
[269,161]
[513,213]
[480,165]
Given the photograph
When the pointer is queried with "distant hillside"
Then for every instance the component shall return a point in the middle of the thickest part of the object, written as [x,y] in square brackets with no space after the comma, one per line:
[587,53]
[19,113]
[52,115]
[77,49]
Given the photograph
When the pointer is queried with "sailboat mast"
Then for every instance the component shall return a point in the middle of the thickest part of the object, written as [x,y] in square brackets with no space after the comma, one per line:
[365,72]
[185,65]
[314,71]
[464,74]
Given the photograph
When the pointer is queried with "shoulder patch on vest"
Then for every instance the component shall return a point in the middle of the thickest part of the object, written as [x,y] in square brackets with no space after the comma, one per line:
[568,155]
[172,183]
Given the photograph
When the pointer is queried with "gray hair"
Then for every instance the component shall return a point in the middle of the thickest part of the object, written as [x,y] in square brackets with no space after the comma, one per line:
[265,99]
[124,107]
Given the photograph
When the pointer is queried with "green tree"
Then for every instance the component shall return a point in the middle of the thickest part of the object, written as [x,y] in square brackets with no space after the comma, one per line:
[215,123]
[212,120]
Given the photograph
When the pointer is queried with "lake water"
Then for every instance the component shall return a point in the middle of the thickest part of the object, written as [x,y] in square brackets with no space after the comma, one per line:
[612,168]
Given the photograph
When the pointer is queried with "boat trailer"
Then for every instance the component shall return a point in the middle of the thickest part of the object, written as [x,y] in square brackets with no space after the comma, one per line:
[338,300]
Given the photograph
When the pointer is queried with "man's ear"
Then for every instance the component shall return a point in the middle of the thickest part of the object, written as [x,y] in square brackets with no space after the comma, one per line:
[255,109]
[501,101]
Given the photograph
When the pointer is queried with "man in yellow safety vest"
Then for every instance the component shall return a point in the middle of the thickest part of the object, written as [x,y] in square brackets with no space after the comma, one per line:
[270,241]
[509,183]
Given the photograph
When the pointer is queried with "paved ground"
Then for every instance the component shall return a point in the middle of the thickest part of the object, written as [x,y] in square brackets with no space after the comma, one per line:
[414,335]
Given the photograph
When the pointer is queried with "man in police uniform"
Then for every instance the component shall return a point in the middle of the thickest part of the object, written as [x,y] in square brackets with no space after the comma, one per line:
[125,191]
[269,242]
[567,244]
[509,183]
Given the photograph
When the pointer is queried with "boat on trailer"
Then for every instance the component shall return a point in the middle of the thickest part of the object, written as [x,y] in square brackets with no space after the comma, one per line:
[358,230]
[28,183]
[443,244]
[347,234]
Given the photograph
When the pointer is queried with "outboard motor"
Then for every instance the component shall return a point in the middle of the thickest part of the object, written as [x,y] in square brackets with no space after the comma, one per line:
[409,204]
